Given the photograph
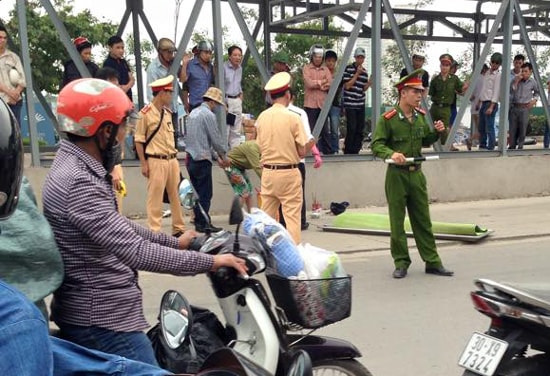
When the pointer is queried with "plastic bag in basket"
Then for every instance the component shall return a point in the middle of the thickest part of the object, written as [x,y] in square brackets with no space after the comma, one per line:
[320,263]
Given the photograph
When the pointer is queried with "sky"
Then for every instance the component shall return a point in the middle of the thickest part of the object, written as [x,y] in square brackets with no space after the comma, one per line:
[161,15]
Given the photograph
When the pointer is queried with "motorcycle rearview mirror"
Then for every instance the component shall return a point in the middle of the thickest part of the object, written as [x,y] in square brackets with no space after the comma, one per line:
[187,198]
[300,365]
[236,218]
[175,318]
[236,213]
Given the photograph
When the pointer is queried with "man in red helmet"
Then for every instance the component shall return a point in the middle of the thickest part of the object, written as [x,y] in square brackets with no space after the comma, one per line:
[99,304]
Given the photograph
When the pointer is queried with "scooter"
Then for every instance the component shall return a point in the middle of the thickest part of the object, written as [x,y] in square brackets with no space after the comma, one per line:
[517,342]
[176,322]
[261,332]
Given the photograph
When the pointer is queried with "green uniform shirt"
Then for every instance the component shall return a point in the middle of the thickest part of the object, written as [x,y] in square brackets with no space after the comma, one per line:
[394,133]
[246,156]
[443,92]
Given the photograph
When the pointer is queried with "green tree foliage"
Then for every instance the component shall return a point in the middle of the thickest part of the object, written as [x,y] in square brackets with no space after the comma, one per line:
[47,53]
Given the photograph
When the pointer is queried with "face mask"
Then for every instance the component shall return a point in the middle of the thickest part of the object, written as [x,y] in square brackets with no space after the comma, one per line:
[112,157]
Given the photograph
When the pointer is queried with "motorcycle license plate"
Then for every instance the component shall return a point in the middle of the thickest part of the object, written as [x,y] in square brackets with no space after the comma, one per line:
[482,354]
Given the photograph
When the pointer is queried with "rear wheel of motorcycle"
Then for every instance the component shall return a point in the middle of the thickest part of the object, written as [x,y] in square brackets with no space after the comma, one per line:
[339,367]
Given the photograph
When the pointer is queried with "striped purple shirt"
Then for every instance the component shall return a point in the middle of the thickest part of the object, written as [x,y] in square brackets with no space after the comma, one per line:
[101,249]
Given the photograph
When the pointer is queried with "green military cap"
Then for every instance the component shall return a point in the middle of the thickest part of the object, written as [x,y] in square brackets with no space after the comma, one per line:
[496,57]
[281,57]
[413,80]
[446,57]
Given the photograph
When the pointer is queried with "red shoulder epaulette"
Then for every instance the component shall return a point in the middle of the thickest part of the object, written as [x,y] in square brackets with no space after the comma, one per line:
[145,109]
[389,114]
[421,110]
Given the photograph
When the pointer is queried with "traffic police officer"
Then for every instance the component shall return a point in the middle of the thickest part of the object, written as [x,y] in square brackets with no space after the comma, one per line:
[443,90]
[401,133]
[282,142]
[157,153]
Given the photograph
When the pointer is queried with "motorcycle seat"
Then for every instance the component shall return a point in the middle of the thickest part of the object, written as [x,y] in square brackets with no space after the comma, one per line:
[535,294]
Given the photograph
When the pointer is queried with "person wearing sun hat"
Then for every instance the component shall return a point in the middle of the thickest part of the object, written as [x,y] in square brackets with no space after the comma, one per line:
[156,149]
[282,141]
[70,71]
[443,90]
[401,133]
[204,144]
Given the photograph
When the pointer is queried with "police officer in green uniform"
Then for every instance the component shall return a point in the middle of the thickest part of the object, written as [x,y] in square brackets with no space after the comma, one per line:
[443,90]
[401,133]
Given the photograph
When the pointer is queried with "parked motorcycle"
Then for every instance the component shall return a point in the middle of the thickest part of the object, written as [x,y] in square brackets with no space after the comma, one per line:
[176,321]
[517,342]
[261,332]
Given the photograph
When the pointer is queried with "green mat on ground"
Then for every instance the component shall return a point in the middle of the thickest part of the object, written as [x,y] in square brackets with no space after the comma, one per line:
[379,224]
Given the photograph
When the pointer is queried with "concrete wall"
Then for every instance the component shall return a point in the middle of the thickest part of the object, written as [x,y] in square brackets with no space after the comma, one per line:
[361,182]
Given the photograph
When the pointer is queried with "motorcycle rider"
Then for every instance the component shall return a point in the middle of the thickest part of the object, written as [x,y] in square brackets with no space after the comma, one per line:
[30,269]
[99,304]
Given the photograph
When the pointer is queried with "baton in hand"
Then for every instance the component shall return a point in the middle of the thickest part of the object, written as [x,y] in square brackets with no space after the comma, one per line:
[414,159]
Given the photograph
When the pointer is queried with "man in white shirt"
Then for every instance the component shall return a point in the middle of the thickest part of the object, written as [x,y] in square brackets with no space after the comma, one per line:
[489,98]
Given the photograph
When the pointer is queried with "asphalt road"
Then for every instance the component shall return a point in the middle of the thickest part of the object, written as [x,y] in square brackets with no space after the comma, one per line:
[415,326]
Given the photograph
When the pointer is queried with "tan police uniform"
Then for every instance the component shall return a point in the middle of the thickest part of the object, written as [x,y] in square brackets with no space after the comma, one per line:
[280,131]
[164,171]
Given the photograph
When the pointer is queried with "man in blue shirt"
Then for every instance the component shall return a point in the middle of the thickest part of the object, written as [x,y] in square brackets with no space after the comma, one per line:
[198,74]
[204,143]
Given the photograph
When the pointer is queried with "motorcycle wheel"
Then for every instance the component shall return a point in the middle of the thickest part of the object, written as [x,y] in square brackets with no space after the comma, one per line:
[339,367]
[537,365]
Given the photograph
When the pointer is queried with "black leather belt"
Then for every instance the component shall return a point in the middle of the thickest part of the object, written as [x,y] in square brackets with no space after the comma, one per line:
[166,157]
[280,167]
[409,167]
[441,104]
[521,105]
[233,96]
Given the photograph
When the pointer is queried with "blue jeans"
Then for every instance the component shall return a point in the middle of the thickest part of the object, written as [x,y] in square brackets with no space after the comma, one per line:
[16,109]
[487,139]
[334,116]
[72,359]
[546,139]
[25,347]
[200,174]
[131,345]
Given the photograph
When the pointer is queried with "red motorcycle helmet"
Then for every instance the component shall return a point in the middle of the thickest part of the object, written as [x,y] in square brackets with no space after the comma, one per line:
[11,161]
[84,105]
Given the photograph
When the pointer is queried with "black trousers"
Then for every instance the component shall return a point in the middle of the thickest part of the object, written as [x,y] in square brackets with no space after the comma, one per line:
[302,168]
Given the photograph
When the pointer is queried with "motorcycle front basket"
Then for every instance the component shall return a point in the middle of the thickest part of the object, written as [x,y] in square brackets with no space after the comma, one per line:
[312,303]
